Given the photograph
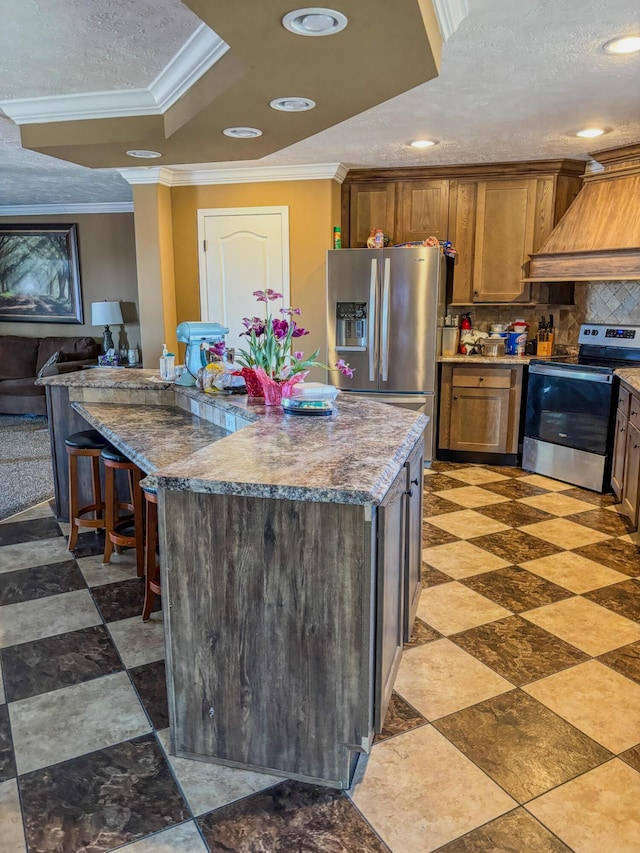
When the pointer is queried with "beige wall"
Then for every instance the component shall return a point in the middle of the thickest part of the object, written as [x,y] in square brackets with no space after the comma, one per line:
[314,207]
[106,247]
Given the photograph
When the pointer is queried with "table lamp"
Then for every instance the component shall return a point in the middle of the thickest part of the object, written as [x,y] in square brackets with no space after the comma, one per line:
[103,313]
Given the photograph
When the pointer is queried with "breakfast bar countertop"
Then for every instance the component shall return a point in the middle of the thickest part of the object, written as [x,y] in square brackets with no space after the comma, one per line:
[151,436]
[350,457]
[108,377]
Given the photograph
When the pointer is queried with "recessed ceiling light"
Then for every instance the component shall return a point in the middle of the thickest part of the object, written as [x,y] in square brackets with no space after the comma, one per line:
[626,44]
[143,154]
[591,132]
[242,132]
[422,143]
[292,105]
[314,21]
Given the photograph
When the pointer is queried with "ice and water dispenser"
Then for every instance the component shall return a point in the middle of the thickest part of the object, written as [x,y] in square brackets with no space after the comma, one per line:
[351,326]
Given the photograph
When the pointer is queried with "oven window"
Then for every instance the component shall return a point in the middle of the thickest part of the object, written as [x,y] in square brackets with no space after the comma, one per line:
[571,412]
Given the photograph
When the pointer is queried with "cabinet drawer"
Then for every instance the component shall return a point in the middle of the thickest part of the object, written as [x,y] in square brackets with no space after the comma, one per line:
[624,398]
[634,411]
[477,377]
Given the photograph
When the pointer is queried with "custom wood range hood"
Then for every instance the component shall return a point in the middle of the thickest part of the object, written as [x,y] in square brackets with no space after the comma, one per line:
[598,238]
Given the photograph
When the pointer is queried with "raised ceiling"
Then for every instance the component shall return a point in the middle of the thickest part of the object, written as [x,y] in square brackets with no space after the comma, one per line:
[515,81]
[396,45]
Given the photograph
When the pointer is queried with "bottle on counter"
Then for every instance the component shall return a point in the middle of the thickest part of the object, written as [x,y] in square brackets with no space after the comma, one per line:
[371,239]
[379,238]
[337,237]
[167,364]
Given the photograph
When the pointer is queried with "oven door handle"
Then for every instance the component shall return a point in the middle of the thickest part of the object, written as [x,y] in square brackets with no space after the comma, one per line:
[585,375]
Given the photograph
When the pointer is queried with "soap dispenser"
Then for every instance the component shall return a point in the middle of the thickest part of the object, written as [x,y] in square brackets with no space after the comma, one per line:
[167,365]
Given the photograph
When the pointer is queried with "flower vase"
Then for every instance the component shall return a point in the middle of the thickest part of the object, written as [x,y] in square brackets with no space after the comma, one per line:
[275,389]
[254,386]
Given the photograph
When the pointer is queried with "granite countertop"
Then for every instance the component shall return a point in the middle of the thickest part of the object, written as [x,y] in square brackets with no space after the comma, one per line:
[151,436]
[351,457]
[630,376]
[108,377]
[486,359]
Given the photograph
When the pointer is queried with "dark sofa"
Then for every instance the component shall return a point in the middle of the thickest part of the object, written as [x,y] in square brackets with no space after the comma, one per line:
[22,358]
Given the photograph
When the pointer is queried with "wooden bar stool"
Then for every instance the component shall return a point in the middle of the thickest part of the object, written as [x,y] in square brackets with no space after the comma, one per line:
[115,533]
[89,444]
[151,565]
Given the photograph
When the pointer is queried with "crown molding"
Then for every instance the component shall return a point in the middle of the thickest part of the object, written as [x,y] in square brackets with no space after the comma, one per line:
[198,54]
[46,209]
[148,175]
[168,177]
[450,14]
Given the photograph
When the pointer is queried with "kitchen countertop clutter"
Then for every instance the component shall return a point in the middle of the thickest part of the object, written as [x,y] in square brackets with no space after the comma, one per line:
[485,359]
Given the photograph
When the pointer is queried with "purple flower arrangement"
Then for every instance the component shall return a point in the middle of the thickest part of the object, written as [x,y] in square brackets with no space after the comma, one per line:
[270,343]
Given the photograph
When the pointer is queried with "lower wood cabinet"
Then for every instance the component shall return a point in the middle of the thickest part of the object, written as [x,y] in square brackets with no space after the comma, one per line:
[399,574]
[413,558]
[625,468]
[631,483]
[392,537]
[619,453]
[284,623]
[480,408]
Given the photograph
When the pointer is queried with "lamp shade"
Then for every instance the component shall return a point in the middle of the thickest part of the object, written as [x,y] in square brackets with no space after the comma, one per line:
[103,313]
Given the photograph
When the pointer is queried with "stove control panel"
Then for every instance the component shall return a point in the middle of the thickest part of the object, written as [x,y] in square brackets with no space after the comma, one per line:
[609,336]
[620,333]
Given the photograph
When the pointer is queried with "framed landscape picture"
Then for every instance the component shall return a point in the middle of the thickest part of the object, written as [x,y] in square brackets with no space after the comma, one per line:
[39,274]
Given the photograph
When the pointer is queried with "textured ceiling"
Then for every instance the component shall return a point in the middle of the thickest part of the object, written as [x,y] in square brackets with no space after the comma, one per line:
[516,79]
[57,47]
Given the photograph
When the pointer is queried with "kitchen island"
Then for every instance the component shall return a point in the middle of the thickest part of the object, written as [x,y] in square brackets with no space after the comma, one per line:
[290,553]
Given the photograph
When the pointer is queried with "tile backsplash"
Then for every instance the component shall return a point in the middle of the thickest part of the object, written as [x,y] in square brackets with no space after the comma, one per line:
[610,301]
[595,302]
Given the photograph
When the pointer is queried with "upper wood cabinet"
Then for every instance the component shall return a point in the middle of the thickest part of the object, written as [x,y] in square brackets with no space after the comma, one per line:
[495,215]
[495,225]
[504,237]
[371,206]
[423,210]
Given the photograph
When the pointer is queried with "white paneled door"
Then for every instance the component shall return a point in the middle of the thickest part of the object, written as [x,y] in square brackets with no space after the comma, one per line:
[242,249]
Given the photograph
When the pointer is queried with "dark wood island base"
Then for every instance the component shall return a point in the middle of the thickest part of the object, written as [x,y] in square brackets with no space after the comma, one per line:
[290,556]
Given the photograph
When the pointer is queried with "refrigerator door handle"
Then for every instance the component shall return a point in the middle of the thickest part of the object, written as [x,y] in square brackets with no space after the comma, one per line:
[373,280]
[385,318]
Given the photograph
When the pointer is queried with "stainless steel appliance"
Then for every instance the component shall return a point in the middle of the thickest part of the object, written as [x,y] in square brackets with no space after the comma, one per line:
[571,407]
[383,309]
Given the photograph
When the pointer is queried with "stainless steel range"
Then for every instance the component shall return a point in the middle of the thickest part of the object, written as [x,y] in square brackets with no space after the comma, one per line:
[571,405]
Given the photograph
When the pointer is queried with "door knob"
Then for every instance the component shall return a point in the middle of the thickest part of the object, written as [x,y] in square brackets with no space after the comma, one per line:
[481,379]
[415,482]
[409,492]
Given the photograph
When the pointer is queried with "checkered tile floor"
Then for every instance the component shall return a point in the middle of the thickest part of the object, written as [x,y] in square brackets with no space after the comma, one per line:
[514,726]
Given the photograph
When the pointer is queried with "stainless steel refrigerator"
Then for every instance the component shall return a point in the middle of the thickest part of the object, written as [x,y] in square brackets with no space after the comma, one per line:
[383,310]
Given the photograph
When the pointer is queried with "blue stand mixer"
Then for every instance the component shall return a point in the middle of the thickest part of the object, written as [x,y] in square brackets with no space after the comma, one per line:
[198,337]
